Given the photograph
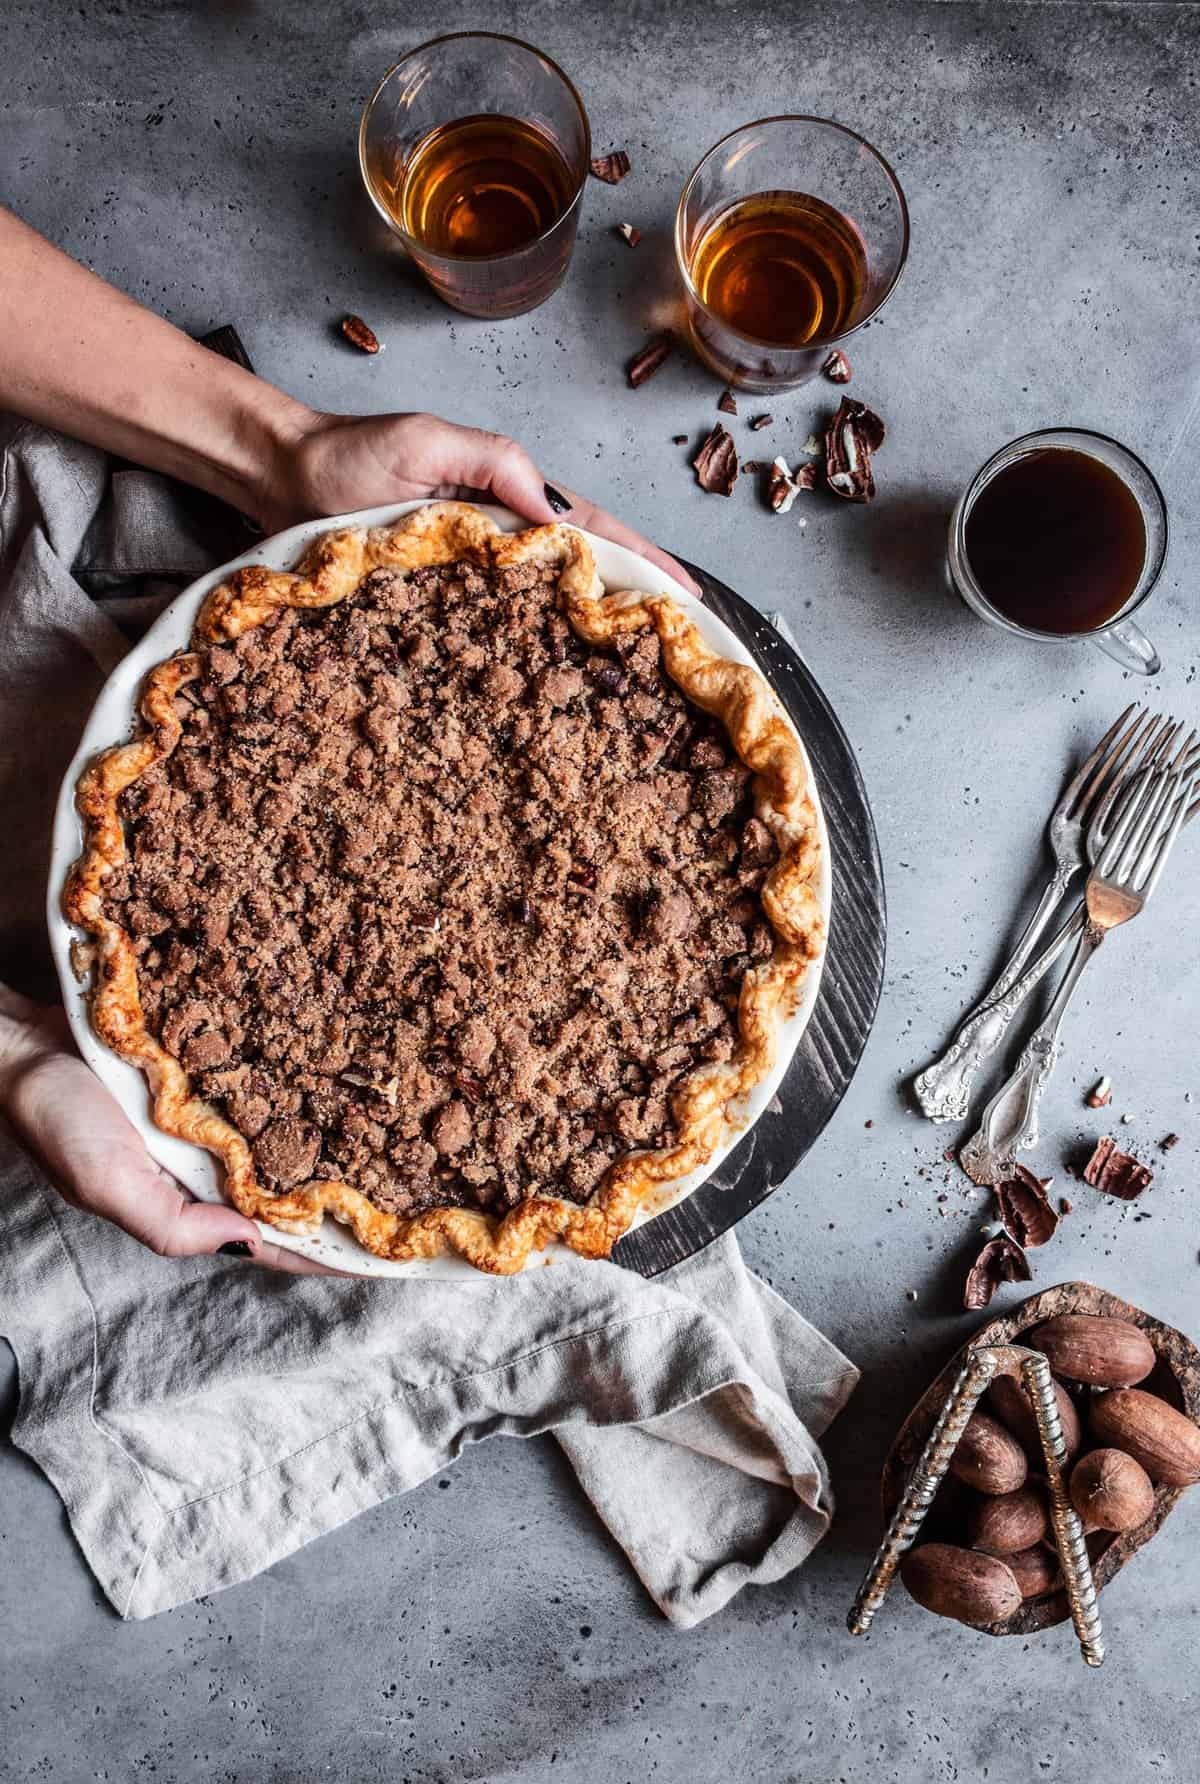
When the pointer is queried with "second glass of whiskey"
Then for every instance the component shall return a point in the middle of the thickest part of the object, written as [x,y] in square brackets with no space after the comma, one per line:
[790,234]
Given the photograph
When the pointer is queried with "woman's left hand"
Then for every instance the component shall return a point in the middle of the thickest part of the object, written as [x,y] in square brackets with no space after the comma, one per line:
[343,462]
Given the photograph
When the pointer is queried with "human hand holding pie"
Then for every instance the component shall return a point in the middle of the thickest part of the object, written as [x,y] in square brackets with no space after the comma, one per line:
[64,1118]
[334,464]
[85,358]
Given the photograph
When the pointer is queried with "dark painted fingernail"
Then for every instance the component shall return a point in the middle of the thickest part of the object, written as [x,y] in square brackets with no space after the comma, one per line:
[236,1248]
[556,498]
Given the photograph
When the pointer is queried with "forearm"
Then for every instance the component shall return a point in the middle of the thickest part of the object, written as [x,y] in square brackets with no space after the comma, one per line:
[81,356]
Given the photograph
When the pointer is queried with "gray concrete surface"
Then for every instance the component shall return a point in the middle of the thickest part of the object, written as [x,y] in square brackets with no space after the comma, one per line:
[202,155]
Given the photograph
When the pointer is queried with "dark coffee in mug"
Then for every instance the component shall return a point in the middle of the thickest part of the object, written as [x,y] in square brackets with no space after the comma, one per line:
[1056,541]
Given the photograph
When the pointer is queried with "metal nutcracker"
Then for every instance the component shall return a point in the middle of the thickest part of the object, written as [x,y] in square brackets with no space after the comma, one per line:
[982,1366]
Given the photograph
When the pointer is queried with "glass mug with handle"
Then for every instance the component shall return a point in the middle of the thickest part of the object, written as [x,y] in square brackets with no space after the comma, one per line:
[1062,536]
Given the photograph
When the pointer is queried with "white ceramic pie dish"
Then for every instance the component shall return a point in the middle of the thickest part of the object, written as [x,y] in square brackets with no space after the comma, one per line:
[112,721]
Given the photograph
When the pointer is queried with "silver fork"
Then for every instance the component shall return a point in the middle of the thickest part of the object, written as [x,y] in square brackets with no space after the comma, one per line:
[943,1089]
[991,1022]
[1118,888]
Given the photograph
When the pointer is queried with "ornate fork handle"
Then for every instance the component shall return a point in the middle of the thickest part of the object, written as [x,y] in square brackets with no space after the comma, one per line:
[1010,1121]
[943,1089]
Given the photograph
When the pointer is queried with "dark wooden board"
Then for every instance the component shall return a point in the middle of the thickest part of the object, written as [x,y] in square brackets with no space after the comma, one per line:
[1176,1377]
[851,980]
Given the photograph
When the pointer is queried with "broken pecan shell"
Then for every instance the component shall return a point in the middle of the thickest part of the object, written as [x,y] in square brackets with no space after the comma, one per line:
[716,463]
[630,233]
[1025,1209]
[999,1261]
[786,485]
[727,403]
[611,168]
[851,437]
[1116,1173]
[652,356]
[837,367]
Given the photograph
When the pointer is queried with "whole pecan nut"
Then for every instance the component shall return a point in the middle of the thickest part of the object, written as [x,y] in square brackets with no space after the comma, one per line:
[359,335]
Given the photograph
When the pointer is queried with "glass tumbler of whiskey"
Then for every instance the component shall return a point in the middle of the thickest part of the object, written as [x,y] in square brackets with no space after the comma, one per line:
[474,150]
[790,234]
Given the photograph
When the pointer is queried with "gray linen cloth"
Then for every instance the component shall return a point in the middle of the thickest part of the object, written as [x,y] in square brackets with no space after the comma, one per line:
[203,1418]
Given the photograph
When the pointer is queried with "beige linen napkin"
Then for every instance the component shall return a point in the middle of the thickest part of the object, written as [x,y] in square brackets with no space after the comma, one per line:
[202,1418]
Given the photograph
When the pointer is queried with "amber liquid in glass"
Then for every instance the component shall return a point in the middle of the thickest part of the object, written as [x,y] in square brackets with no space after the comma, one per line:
[1056,541]
[782,267]
[481,186]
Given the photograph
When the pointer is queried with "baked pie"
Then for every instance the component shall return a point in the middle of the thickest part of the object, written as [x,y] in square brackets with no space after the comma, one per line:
[447,894]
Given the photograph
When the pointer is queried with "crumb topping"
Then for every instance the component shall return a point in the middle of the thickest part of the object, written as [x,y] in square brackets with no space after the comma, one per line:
[434,897]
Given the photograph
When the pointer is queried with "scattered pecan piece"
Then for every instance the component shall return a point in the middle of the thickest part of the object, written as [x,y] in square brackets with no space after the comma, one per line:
[1025,1209]
[727,403]
[786,485]
[652,356]
[760,421]
[359,335]
[752,466]
[611,168]
[1065,1204]
[837,367]
[611,678]
[851,437]
[679,439]
[1169,1141]
[999,1261]
[523,911]
[629,232]
[716,463]
[469,1088]
[389,1091]
[1116,1173]
[1100,1095]
[583,877]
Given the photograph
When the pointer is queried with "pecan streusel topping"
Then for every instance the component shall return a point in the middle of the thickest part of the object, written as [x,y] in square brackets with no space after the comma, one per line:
[436,898]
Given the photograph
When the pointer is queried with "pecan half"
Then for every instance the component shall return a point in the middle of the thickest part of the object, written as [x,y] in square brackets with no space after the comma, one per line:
[611,168]
[652,356]
[786,485]
[999,1261]
[851,437]
[629,232]
[359,335]
[727,403]
[1025,1209]
[837,367]
[716,463]
[1116,1173]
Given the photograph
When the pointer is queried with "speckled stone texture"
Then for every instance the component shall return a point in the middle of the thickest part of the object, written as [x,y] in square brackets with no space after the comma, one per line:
[202,155]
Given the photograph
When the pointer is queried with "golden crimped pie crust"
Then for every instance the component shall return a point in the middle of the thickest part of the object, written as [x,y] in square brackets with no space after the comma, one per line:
[703,1103]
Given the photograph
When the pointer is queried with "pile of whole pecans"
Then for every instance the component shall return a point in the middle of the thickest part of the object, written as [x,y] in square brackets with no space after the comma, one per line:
[1123,1442]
